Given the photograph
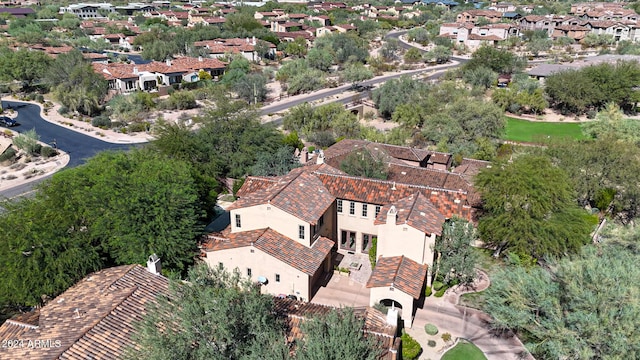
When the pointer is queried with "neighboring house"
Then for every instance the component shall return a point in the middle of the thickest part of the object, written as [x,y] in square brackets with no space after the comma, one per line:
[474,36]
[17,12]
[223,47]
[89,11]
[575,32]
[474,16]
[582,8]
[124,78]
[96,318]
[283,228]
[618,30]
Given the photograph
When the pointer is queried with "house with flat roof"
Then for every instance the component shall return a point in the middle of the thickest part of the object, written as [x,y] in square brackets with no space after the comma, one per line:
[284,230]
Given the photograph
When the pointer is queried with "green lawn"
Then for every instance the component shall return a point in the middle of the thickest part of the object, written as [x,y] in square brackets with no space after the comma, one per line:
[464,350]
[533,131]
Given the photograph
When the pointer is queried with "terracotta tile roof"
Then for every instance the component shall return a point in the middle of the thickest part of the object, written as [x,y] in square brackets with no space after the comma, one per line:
[255,183]
[303,258]
[92,319]
[471,166]
[403,273]
[298,193]
[484,37]
[415,175]
[296,312]
[416,211]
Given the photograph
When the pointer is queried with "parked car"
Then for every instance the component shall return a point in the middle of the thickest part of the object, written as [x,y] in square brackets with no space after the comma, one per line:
[7,121]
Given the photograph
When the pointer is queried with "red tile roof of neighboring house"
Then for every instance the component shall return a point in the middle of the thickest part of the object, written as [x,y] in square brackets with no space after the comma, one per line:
[297,312]
[484,37]
[298,193]
[93,319]
[303,258]
[416,211]
[403,273]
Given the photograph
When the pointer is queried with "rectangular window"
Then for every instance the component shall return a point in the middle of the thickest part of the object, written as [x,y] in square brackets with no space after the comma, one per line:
[301,232]
[377,210]
[249,272]
[364,210]
[277,277]
[367,240]
[339,206]
[238,221]
[352,208]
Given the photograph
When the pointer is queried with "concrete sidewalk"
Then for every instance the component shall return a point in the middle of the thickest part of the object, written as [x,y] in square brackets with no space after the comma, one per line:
[463,322]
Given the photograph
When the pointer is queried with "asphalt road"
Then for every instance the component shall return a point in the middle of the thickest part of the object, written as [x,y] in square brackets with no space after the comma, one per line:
[80,147]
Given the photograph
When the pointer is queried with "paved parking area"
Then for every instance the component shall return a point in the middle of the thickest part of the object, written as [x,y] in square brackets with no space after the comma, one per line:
[338,290]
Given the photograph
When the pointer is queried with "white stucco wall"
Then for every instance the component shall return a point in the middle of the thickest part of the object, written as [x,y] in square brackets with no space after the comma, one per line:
[263,216]
[398,240]
[292,281]
[404,299]
[356,223]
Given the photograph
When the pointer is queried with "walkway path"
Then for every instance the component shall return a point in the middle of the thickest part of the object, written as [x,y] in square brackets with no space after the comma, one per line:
[462,322]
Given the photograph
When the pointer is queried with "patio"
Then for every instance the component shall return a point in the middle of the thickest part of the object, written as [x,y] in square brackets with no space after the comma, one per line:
[358,263]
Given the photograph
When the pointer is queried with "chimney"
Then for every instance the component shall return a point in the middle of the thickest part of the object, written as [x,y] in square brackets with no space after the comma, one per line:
[253,41]
[320,158]
[304,156]
[392,215]
[153,264]
[200,58]
[168,62]
[247,40]
[135,70]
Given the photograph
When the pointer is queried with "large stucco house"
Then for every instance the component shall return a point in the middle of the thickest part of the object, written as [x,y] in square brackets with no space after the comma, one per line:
[283,230]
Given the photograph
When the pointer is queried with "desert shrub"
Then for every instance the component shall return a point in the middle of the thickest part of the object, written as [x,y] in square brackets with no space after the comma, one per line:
[431,343]
[182,100]
[446,337]
[431,329]
[48,151]
[138,126]
[322,138]
[102,121]
[410,347]
[9,154]
[63,110]
[437,285]
[39,98]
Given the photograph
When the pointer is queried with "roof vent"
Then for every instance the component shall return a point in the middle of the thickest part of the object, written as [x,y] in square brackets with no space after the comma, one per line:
[153,264]
[403,172]
[422,213]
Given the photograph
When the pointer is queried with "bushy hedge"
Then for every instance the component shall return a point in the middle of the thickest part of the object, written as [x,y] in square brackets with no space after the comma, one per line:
[427,291]
[48,151]
[410,347]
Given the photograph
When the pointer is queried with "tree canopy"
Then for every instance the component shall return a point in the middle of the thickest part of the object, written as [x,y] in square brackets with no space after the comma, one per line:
[118,208]
[592,87]
[216,314]
[457,260]
[530,209]
[580,307]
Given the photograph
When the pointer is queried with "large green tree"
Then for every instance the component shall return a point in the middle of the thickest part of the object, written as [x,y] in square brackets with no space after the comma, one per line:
[530,209]
[604,173]
[213,315]
[337,335]
[581,307]
[75,84]
[456,258]
[118,208]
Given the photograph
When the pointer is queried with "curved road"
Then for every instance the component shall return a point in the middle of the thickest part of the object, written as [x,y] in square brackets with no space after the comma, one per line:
[81,147]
